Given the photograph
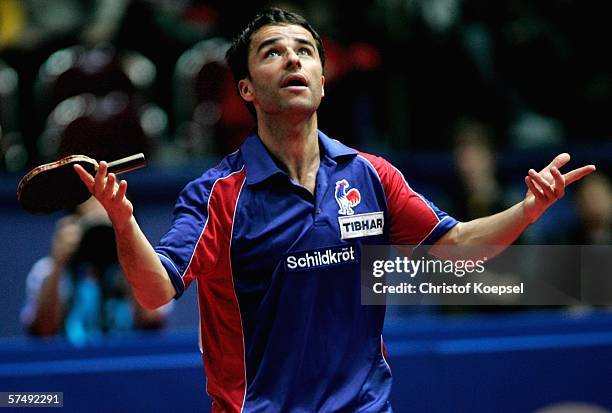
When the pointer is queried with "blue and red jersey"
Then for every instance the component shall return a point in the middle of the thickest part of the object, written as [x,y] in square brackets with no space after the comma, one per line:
[278,276]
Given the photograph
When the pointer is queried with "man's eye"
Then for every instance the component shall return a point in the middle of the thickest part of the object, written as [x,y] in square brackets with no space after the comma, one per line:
[272,52]
[304,51]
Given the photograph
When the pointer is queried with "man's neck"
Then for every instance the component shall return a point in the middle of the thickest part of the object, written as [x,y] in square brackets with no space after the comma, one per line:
[296,145]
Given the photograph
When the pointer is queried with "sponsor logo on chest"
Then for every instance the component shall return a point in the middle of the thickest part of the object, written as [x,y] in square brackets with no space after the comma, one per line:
[361,225]
[323,257]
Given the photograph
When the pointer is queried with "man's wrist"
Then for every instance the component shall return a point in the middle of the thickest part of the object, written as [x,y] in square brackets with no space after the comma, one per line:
[123,225]
[528,214]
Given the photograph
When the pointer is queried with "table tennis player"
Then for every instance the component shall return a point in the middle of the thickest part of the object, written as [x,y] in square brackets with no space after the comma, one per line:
[283,329]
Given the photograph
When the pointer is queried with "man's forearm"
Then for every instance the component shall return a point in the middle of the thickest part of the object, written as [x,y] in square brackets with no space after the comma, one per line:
[149,279]
[493,233]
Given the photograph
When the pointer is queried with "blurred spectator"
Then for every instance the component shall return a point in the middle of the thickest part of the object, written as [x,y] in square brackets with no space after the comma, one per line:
[477,191]
[78,289]
[594,208]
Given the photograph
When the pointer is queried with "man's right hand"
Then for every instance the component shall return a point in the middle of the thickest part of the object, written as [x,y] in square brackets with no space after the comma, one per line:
[111,194]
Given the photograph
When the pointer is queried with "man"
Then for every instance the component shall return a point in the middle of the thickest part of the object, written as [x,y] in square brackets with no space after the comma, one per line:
[281,330]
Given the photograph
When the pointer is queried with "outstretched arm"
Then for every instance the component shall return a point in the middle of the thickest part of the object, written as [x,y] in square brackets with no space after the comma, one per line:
[140,264]
[498,231]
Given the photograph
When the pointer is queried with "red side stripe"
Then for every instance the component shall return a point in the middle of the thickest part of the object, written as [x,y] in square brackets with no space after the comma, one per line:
[220,321]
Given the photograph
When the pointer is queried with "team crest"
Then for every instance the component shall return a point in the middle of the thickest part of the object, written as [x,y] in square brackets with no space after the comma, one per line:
[346,198]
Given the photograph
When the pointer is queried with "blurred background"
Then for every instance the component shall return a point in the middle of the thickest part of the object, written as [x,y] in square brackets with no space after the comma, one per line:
[464,96]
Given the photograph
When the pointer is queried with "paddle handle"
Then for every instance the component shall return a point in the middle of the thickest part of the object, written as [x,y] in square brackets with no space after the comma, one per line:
[127,164]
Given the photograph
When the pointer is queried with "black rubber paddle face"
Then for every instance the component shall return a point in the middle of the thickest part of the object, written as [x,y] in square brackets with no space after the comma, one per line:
[53,189]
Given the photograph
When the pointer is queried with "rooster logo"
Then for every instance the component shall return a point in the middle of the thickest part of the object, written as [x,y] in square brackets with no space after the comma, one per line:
[346,198]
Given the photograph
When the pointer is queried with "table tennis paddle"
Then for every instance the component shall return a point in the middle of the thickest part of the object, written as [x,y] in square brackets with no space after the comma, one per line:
[54,186]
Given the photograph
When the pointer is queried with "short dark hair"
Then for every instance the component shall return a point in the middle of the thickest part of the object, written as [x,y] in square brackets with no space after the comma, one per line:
[237,55]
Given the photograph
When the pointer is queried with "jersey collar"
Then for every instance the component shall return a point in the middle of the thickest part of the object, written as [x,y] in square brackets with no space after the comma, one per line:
[260,165]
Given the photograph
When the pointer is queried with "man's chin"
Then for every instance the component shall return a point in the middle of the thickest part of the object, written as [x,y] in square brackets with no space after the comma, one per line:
[300,110]
[302,104]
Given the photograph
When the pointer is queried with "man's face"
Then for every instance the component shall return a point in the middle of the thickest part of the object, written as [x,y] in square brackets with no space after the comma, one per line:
[286,75]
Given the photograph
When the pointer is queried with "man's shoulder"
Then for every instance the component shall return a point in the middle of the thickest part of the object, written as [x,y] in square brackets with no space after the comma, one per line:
[376,162]
[231,164]
[201,188]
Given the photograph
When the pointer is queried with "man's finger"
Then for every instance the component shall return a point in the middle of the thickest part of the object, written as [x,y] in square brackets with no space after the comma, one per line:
[559,161]
[537,192]
[547,189]
[109,188]
[100,179]
[559,182]
[579,173]
[86,178]
[121,191]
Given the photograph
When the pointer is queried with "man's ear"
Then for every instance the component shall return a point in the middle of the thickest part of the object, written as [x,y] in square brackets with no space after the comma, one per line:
[246,90]
[322,85]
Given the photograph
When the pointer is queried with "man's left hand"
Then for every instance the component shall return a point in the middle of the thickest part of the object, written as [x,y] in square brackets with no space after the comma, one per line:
[548,185]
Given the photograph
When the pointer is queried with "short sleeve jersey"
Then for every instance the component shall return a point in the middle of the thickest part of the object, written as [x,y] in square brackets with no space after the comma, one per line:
[278,276]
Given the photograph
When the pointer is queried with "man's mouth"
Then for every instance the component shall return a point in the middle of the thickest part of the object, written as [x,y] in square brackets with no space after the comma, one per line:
[295,81]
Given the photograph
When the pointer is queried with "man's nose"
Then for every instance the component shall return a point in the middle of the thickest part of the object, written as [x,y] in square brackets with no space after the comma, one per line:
[293,59]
